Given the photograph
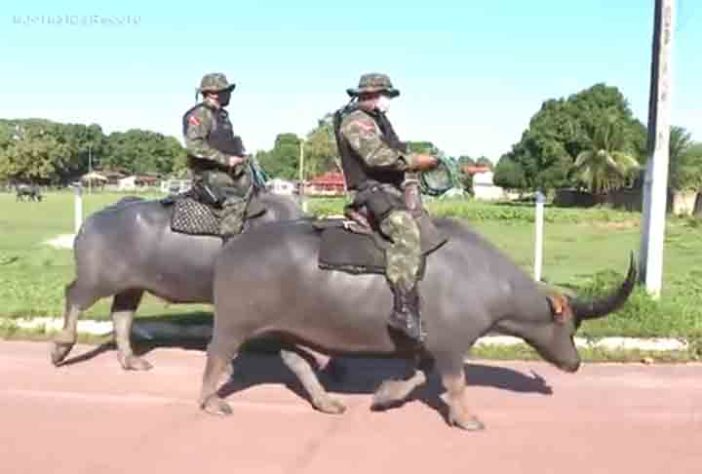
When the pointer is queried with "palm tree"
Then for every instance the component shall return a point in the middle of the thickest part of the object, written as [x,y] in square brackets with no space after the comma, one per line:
[604,165]
[678,146]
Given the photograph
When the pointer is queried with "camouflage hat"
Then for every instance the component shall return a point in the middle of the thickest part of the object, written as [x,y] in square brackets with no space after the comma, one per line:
[374,82]
[215,82]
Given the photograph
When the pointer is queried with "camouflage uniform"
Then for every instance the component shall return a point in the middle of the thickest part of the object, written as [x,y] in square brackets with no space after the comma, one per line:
[210,142]
[376,166]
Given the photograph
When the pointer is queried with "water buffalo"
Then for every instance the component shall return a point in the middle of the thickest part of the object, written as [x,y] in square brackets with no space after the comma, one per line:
[268,283]
[128,248]
[28,192]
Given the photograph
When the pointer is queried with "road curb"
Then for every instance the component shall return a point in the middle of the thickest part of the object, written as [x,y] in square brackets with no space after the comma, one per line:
[151,330]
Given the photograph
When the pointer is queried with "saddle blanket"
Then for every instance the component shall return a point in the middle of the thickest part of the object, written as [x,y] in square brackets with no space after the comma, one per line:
[343,249]
[192,217]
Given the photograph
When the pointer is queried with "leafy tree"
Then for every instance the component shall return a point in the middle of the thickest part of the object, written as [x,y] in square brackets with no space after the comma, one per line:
[559,132]
[603,165]
[688,169]
[321,154]
[484,161]
[423,147]
[509,174]
[141,151]
[465,160]
[465,178]
[685,161]
[282,161]
[45,151]
[34,153]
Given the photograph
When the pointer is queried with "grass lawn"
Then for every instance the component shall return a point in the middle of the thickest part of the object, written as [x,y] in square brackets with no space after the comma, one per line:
[584,249]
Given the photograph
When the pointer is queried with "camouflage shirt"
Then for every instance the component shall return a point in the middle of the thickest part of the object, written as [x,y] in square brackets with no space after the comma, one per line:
[198,124]
[365,138]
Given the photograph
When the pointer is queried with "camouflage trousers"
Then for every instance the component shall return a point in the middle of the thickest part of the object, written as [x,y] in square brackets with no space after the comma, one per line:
[232,193]
[404,255]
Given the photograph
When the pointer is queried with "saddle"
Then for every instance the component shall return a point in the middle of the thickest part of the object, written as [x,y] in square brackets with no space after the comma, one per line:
[354,245]
[191,216]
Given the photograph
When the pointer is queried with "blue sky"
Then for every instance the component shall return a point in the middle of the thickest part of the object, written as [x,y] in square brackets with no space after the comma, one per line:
[471,73]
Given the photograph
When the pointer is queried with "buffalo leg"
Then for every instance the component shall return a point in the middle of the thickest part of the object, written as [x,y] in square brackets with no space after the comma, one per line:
[305,374]
[78,299]
[453,378]
[217,368]
[395,392]
[124,306]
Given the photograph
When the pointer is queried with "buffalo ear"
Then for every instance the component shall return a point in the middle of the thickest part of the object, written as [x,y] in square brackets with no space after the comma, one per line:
[560,308]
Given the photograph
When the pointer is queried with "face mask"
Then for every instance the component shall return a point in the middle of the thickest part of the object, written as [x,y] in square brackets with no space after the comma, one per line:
[224,97]
[383,103]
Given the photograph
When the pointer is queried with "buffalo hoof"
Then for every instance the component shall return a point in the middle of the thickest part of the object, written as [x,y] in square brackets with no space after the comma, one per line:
[390,394]
[216,406]
[329,405]
[59,352]
[470,423]
[132,362]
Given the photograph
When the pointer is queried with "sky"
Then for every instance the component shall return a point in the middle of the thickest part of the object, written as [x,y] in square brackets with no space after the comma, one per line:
[471,73]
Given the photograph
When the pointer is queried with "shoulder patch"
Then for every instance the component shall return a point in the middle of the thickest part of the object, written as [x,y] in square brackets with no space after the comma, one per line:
[365,125]
[193,120]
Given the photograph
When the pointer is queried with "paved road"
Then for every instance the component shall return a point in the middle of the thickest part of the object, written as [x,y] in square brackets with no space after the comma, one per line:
[91,417]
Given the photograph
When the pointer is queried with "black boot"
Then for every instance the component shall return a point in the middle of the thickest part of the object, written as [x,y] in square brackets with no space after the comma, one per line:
[405,315]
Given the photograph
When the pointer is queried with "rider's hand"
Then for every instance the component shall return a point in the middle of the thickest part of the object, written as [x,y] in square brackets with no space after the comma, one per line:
[422,162]
[236,160]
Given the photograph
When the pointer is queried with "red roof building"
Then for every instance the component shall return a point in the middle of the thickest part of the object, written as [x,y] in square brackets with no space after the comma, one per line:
[471,170]
[327,184]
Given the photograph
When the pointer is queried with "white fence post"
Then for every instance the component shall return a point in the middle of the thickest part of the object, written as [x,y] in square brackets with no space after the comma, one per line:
[539,240]
[78,207]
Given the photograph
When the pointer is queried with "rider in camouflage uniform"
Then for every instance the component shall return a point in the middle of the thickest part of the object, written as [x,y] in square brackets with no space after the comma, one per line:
[380,174]
[216,156]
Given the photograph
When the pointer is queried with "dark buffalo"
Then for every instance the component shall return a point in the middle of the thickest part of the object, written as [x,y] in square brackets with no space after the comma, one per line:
[28,192]
[268,283]
[128,248]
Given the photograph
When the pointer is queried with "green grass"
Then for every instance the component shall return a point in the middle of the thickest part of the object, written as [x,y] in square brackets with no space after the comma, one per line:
[33,275]
[585,250]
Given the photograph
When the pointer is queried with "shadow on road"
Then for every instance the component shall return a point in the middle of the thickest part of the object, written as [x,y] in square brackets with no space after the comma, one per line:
[351,375]
[260,364]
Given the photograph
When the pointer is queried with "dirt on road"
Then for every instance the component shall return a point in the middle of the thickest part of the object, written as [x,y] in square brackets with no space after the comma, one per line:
[92,417]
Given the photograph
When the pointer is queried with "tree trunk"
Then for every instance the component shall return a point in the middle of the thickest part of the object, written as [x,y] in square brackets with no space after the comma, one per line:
[698,206]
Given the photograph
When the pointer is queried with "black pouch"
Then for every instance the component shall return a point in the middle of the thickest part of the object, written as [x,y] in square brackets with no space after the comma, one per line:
[208,194]
[378,201]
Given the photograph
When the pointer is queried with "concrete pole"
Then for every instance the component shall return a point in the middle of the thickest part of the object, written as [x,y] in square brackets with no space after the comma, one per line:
[90,170]
[303,201]
[77,208]
[539,237]
[656,181]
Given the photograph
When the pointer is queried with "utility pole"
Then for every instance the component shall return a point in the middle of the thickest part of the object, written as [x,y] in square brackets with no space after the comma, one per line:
[539,236]
[90,169]
[302,176]
[656,181]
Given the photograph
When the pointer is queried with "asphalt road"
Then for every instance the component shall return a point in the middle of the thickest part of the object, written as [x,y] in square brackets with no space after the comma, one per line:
[92,417]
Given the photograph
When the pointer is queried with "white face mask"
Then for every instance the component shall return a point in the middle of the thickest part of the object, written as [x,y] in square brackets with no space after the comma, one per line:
[383,103]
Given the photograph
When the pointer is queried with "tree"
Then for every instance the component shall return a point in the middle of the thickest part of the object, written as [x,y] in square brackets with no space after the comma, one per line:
[688,169]
[321,154]
[282,160]
[423,147]
[142,151]
[684,166]
[509,174]
[46,151]
[465,160]
[34,153]
[603,165]
[484,161]
[464,177]
[559,132]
